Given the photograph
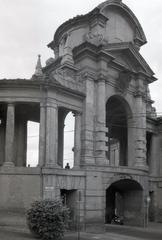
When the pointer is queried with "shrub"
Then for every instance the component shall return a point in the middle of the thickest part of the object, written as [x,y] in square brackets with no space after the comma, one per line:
[48,219]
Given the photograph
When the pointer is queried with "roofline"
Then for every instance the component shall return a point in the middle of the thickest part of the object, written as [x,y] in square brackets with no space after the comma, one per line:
[96,11]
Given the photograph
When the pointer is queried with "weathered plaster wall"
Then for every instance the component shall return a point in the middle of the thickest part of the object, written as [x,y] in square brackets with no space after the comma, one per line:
[118,27]
[19,189]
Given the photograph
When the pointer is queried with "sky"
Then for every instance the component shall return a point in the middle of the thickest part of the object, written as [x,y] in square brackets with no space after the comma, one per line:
[27,26]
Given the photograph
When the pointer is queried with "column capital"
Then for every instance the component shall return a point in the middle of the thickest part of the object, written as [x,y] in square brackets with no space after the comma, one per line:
[87,75]
[101,78]
[51,105]
[10,104]
[76,113]
[42,104]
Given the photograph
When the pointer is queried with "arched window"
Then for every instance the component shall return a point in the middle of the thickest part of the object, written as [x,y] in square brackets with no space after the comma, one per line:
[69,140]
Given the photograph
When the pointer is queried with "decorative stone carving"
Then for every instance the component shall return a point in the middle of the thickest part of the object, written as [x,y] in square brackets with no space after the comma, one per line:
[95,38]
[62,74]
[38,68]
[50,61]
[68,77]
[67,56]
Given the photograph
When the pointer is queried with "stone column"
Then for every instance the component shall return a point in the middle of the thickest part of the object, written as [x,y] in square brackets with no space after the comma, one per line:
[42,135]
[101,130]
[77,139]
[51,135]
[140,134]
[154,154]
[10,134]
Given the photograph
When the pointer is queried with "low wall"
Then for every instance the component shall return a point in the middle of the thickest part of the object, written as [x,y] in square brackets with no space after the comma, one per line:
[19,187]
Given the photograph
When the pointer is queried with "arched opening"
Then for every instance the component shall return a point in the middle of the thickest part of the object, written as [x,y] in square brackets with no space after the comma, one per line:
[66,122]
[26,134]
[3,113]
[117,114]
[124,198]
[69,140]
[32,144]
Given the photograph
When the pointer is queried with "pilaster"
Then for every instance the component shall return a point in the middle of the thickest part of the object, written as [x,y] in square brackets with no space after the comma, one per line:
[77,139]
[87,135]
[140,120]
[101,139]
[154,154]
[42,134]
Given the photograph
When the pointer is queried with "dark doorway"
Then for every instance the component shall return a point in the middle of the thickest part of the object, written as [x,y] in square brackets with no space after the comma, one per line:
[124,198]
[69,198]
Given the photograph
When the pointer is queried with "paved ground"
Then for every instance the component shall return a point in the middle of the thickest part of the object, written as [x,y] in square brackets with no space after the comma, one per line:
[153,232]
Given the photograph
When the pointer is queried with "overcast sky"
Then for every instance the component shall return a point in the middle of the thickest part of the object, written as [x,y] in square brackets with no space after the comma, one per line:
[27,26]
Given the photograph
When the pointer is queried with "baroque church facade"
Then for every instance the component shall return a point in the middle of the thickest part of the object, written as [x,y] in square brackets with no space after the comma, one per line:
[98,74]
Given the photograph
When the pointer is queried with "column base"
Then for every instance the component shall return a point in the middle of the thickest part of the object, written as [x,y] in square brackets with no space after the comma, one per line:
[102,161]
[8,165]
[140,164]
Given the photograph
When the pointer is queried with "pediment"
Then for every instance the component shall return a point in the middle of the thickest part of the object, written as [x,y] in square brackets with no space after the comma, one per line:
[129,57]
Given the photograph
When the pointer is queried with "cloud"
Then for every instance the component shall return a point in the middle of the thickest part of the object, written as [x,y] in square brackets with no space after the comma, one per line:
[28,26]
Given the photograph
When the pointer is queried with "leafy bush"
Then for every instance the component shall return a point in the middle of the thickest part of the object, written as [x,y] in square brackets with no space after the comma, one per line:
[48,219]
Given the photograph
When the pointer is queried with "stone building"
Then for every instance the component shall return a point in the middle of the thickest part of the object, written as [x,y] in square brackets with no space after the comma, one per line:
[98,74]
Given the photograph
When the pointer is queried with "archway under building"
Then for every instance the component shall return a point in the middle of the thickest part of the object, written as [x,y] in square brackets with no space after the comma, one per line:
[124,198]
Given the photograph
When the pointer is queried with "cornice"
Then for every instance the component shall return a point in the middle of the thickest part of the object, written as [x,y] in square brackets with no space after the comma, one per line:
[24,83]
[98,13]
[129,47]
[152,120]
[18,83]
[52,66]
[88,49]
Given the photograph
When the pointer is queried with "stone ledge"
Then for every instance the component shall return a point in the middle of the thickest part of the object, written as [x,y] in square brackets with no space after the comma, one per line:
[20,171]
